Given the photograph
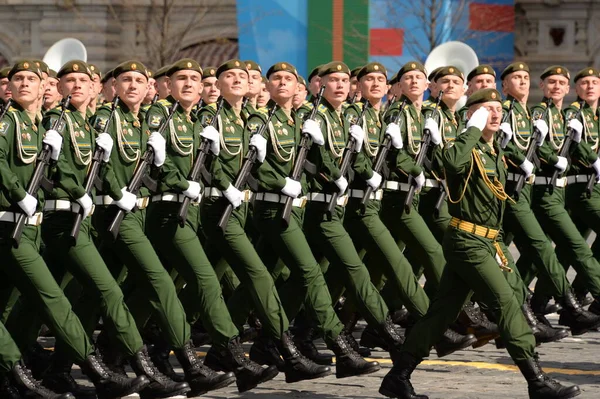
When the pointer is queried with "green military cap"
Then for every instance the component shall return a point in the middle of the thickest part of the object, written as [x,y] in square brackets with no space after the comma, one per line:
[433,75]
[282,66]
[334,67]
[354,72]
[4,72]
[95,70]
[514,67]
[301,80]
[183,65]
[162,71]
[252,66]
[585,72]
[449,70]
[52,74]
[43,66]
[231,64]
[409,67]
[483,96]
[483,69]
[555,70]
[264,79]
[130,66]
[314,72]
[25,65]
[107,76]
[372,67]
[74,66]
[209,72]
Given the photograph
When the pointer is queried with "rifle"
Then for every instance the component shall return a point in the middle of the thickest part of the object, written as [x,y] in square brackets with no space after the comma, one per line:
[154,99]
[382,155]
[564,150]
[303,148]
[425,143]
[245,170]
[38,175]
[196,170]
[93,171]
[347,158]
[6,107]
[353,99]
[137,180]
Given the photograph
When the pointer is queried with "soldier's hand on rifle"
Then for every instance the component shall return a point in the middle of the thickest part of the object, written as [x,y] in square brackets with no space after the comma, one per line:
[577,128]
[292,188]
[54,140]
[359,136]
[420,181]
[105,142]
[258,141]
[234,196]
[127,201]
[342,184]
[374,181]
[527,168]
[28,204]
[561,164]
[434,131]
[158,143]
[596,166]
[542,126]
[312,128]
[193,190]
[507,134]
[212,134]
[393,130]
[86,204]
[479,118]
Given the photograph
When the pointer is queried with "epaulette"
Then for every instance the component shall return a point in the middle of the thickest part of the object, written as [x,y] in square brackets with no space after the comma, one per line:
[307,103]
[322,108]
[262,113]
[165,102]
[212,105]
[543,105]
[575,104]
[506,103]
[12,109]
[263,110]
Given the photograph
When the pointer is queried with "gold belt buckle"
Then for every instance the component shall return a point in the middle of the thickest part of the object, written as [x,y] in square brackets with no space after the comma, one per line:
[143,203]
[530,179]
[39,219]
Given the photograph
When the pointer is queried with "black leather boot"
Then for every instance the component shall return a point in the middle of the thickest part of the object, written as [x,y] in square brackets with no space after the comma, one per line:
[37,359]
[110,356]
[348,363]
[361,350]
[595,307]
[297,366]
[542,332]
[396,384]
[538,304]
[160,386]
[540,386]
[248,373]
[391,336]
[583,298]
[200,378]
[576,317]
[473,321]
[199,335]
[452,341]
[58,378]
[7,389]
[303,338]
[400,317]
[109,384]
[264,351]
[27,386]
[160,357]
[371,339]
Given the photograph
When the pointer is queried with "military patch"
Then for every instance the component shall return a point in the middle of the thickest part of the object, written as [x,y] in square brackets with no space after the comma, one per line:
[253,127]
[100,124]
[154,120]
[449,144]
[4,127]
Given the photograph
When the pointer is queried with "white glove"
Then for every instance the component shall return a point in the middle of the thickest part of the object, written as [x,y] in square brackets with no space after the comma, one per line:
[527,167]
[374,181]
[193,190]
[86,204]
[258,141]
[358,134]
[393,130]
[596,166]
[507,134]
[577,129]
[561,164]
[54,140]
[233,195]
[479,118]
[127,201]
[542,126]
[28,204]
[434,131]
[105,142]
[292,188]
[420,180]
[158,144]
[342,184]
[312,128]
[212,134]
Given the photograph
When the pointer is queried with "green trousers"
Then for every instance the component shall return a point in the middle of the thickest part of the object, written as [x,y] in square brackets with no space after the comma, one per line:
[235,247]
[438,223]
[368,232]
[132,248]
[9,351]
[30,275]
[472,267]
[329,239]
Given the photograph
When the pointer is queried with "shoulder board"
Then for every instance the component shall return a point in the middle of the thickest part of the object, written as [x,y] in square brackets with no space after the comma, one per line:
[109,104]
[506,103]
[575,104]
[307,103]
[11,108]
[322,108]
[263,110]
[262,113]
[165,102]
[212,106]
[543,105]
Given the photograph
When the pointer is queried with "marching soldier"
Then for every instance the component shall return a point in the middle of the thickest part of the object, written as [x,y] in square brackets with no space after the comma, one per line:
[5,92]
[95,90]
[264,96]
[254,82]
[354,94]
[51,95]
[301,93]
[161,81]
[210,91]
[108,88]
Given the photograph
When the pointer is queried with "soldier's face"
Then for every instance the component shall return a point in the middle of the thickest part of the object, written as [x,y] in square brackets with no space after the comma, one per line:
[131,87]
[588,88]
[300,95]
[233,83]
[151,91]
[452,86]
[97,86]
[254,83]
[353,85]
[51,95]
[77,85]
[337,86]
[264,96]
[485,81]
[494,117]
[43,85]
[25,87]
[282,86]
[433,89]
[373,86]
[555,87]
[210,91]
[108,89]
[185,86]
[517,84]
[314,85]
[5,92]
[162,86]
[412,84]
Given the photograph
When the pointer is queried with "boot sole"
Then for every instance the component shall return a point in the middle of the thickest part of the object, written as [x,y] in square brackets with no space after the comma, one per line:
[581,331]
[391,394]
[220,385]
[181,393]
[558,337]
[312,377]
[369,370]
[254,384]
[464,345]
[134,390]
